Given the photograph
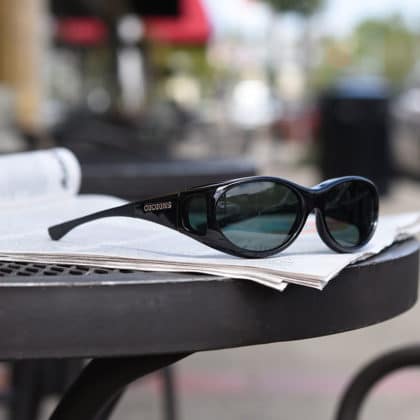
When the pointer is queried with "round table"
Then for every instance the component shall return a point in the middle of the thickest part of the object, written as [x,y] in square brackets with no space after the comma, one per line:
[134,323]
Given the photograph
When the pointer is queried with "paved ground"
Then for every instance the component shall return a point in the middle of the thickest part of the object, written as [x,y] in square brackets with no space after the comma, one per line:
[296,380]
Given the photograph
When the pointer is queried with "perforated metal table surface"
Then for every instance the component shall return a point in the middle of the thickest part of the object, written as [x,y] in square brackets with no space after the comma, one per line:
[146,321]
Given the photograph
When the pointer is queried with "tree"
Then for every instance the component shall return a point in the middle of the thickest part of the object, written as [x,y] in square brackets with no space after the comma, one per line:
[389,43]
[303,7]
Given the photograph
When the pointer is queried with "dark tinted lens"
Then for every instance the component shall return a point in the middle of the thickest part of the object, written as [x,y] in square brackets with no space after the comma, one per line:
[350,212]
[258,216]
[196,208]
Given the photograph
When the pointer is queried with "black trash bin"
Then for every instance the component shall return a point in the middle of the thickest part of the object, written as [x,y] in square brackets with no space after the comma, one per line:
[354,130]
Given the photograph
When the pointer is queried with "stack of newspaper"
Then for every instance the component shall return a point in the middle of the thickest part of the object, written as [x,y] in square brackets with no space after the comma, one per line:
[40,189]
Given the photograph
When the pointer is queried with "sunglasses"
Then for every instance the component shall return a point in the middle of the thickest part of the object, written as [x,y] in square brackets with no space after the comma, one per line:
[258,216]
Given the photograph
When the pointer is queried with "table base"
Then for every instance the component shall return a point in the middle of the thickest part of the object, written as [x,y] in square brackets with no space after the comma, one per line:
[98,388]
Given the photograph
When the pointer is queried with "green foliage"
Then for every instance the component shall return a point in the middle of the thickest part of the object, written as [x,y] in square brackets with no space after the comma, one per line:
[336,61]
[389,43]
[167,60]
[303,7]
[387,47]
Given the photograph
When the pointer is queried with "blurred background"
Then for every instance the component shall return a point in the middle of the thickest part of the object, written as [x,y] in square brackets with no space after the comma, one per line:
[159,96]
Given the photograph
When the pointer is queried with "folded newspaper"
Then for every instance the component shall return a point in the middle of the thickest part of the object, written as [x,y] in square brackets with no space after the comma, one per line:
[40,189]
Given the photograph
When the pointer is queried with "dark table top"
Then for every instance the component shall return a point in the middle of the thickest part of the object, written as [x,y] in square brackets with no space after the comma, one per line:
[48,312]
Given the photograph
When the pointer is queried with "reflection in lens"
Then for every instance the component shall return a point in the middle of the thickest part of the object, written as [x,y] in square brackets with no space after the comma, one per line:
[350,212]
[258,216]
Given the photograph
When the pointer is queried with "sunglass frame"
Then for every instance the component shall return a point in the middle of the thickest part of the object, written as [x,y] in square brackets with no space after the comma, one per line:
[171,211]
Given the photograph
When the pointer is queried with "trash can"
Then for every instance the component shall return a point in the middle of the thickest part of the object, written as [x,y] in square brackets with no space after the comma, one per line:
[354,130]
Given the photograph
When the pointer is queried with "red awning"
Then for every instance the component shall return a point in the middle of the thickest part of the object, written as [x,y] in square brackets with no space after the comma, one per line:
[81,31]
[191,27]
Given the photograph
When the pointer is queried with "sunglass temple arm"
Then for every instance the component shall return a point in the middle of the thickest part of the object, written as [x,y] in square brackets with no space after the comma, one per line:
[162,210]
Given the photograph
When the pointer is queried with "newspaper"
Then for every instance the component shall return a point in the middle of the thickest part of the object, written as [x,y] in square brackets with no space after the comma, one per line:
[127,243]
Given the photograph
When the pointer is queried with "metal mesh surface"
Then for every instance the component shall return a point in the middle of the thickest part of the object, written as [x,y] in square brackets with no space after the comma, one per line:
[17,268]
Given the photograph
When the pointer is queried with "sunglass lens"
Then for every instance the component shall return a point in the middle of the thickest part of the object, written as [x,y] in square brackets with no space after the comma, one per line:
[258,216]
[350,213]
[196,210]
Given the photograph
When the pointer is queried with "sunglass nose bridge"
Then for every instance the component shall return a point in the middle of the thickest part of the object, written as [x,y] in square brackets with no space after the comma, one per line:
[314,200]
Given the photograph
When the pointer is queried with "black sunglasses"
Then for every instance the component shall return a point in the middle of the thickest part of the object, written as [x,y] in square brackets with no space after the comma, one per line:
[258,216]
